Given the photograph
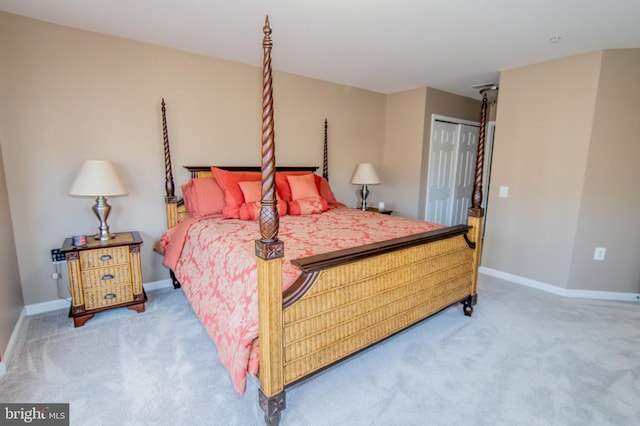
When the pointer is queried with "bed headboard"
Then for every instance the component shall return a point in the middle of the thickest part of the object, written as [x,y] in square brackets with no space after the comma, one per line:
[205,171]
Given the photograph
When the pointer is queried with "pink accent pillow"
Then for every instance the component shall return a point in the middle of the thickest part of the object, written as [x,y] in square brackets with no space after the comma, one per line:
[307,206]
[233,197]
[202,197]
[282,184]
[326,192]
[303,186]
[251,191]
[251,211]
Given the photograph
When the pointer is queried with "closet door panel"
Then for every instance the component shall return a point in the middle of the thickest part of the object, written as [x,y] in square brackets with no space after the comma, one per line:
[467,147]
[442,159]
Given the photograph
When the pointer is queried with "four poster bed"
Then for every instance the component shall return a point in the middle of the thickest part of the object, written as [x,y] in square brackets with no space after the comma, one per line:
[331,281]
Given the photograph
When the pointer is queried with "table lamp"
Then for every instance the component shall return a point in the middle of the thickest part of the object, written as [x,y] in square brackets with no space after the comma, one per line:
[364,175]
[98,178]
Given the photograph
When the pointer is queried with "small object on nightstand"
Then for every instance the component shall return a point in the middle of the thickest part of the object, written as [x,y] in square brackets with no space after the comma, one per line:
[373,209]
[79,240]
[104,275]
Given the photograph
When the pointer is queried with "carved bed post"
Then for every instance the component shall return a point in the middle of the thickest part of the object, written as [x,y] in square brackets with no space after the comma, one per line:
[269,253]
[171,201]
[476,212]
[325,161]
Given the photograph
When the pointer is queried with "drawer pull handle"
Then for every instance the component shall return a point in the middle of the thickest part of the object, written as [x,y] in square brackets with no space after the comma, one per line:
[105,257]
[107,277]
[109,296]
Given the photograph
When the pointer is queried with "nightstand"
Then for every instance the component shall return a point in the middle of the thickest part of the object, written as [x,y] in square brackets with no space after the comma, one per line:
[104,275]
[373,209]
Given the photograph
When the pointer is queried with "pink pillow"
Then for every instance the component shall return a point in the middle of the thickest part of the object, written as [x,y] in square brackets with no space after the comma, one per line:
[251,191]
[251,211]
[326,192]
[202,197]
[282,184]
[303,186]
[307,206]
[233,196]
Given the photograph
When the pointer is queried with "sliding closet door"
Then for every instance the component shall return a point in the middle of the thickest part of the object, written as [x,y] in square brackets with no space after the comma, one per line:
[465,173]
[442,159]
[451,171]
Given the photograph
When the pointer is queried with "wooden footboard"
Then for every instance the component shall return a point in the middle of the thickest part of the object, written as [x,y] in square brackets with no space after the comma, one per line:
[355,298]
[348,300]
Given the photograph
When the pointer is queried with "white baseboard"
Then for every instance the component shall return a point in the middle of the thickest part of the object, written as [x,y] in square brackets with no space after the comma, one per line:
[13,340]
[582,294]
[59,304]
[158,285]
[44,307]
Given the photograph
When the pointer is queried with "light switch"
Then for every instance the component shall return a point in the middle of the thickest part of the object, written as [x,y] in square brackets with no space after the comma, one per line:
[504,192]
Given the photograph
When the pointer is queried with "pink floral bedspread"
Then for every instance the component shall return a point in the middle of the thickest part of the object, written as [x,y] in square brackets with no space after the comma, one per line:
[214,260]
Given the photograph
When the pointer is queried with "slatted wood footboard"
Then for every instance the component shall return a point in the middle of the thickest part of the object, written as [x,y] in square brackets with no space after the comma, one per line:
[345,303]
[348,300]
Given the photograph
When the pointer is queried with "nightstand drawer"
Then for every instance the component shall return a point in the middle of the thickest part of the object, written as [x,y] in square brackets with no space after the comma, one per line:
[107,296]
[101,277]
[104,257]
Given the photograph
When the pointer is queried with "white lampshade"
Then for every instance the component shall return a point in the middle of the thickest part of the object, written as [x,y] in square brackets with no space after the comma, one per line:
[97,177]
[365,175]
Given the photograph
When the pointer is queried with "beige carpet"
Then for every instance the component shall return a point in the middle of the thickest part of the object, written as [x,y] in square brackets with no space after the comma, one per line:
[524,358]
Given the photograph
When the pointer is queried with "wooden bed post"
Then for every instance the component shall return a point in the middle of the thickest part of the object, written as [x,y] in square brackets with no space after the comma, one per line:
[269,253]
[325,160]
[170,199]
[476,212]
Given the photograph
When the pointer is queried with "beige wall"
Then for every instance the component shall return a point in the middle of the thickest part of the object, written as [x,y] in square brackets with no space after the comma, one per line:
[407,143]
[404,133]
[608,215]
[70,95]
[569,161]
[355,128]
[448,105]
[11,301]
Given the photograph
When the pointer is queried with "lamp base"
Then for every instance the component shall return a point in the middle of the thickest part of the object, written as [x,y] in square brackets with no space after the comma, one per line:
[103,236]
[102,209]
[364,193]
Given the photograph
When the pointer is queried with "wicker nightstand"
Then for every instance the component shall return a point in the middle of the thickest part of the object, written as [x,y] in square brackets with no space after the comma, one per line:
[104,275]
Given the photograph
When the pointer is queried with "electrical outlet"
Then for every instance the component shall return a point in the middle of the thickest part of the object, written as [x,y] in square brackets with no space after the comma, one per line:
[599,253]
[503,192]
[55,276]
[56,256]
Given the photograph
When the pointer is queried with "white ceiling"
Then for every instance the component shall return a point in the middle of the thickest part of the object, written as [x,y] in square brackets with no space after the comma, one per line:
[381,45]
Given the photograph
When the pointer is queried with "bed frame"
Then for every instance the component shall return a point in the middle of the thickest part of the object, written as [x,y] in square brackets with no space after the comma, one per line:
[348,300]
